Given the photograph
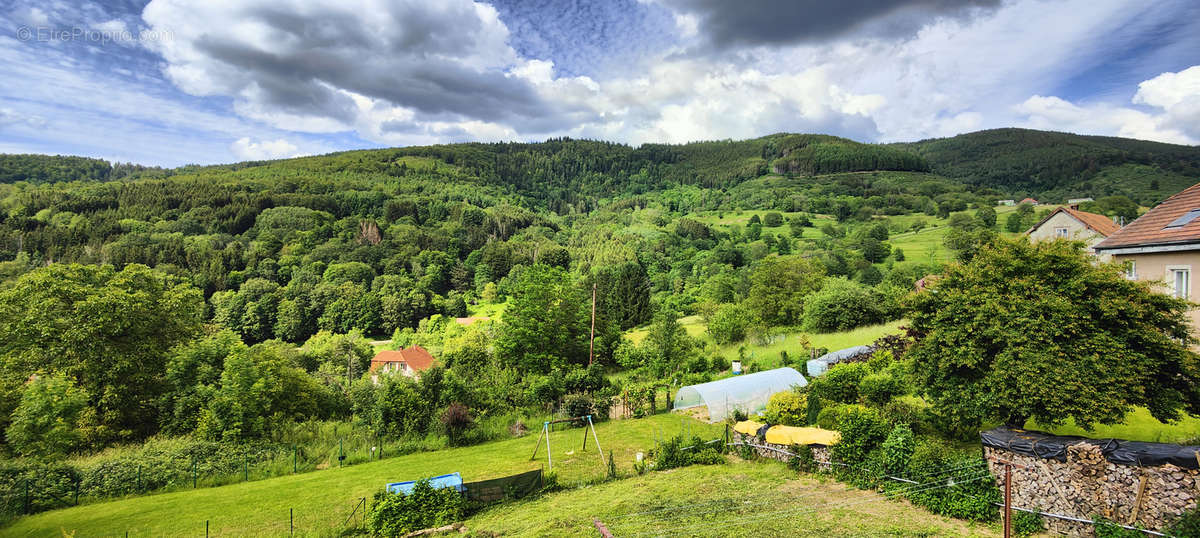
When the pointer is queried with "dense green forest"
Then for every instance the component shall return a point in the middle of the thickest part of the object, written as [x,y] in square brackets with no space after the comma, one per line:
[225,302]
[1055,166]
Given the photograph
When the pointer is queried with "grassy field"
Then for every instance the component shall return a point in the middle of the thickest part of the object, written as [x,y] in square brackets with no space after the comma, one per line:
[321,500]
[1138,426]
[739,499]
[694,325]
[768,355]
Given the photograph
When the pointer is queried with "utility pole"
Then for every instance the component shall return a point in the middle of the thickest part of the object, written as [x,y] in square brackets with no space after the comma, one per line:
[592,340]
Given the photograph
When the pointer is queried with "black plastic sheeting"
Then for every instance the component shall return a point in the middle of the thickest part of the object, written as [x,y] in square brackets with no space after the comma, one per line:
[1054,447]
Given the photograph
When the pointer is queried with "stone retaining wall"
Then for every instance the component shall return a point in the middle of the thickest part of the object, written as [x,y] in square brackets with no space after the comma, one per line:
[781,452]
[1088,485]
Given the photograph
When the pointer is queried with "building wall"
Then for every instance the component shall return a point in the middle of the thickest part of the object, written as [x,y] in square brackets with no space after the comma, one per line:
[1076,231]
[1155,267]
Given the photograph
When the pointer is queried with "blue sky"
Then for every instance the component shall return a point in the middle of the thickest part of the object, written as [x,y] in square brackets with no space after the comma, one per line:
[170,82]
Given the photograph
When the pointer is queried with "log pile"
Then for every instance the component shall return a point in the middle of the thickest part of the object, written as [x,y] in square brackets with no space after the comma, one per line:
[1087,485]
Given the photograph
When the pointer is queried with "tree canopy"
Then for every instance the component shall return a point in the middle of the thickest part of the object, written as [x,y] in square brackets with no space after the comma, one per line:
[1039,331]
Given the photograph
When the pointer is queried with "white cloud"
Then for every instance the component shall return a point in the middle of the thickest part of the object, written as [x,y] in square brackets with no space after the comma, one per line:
[248,150]
[1172,100]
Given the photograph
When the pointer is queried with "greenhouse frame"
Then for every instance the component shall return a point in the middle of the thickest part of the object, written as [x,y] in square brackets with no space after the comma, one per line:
[820,364]
[748,392]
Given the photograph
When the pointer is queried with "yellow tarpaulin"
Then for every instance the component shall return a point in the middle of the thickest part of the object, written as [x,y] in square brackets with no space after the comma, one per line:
[748,427]
[791,435]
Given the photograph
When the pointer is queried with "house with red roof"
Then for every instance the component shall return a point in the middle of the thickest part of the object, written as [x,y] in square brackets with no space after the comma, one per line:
[410,361]
[1075,225]
[1029,201]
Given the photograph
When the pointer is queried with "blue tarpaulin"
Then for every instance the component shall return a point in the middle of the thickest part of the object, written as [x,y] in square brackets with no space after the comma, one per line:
[452,480]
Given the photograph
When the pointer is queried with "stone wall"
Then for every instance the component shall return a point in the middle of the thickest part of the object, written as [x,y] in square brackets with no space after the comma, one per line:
[1088,485]
[781,452]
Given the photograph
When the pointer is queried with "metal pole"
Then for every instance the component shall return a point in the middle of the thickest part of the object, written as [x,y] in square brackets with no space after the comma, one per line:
[1007,500]
[206,528]
[340,456]
[291,521]
[592,340]
[294,451]
[193,472]
[549,457]
[595,438]
[246,467]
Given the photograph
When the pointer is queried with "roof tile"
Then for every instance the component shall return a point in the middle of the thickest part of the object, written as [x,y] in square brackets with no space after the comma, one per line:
[1149,229]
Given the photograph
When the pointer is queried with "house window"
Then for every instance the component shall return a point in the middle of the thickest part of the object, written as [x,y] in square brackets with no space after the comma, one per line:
[1060,233]
[1131,270]
[1181,280]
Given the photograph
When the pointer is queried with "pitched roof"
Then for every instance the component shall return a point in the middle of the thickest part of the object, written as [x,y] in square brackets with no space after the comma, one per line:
[416,357]
[1029,201]
[1094,221]
[1151,228]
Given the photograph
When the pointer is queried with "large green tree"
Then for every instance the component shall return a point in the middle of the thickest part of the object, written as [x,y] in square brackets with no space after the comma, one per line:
[544,325]
[779,286]
[107,331]
[1040,331]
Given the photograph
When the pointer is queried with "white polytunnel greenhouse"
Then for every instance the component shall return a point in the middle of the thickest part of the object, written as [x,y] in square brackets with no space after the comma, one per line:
[748,392]
[820,364]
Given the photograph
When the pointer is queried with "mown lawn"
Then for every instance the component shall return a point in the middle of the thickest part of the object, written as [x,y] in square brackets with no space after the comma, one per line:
[738,499]
[322,500]
[1138,426]
[768,356]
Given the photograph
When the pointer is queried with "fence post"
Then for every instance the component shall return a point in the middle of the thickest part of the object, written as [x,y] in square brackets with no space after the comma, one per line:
[291,521]
[139,482]
[295,450]
[194,475]
[246,467]
[340,455]
[206,528]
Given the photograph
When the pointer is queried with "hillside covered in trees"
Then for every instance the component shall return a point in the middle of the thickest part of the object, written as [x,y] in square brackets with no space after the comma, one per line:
[1056,166]
[252,288]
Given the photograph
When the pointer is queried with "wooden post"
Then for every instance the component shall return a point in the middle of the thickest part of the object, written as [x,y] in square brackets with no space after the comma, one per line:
[1137,505]
[592,340]
[600,527]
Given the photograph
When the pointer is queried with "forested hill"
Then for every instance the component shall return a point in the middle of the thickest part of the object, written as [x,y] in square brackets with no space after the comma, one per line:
[565,175]
[1055,166]
[55,168]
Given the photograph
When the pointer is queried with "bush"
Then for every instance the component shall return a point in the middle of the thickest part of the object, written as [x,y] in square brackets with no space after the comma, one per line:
[671,454]
[802,459]
[812,407]
[456,422]
[1025,523]
[973,490]
[879,389]
[577,405]
[730,323]
[900,412]
[1188,525]
[862,429]
[840,383]
[788,408]
[897,450]
[1110,529]
[396,514]
[841,305]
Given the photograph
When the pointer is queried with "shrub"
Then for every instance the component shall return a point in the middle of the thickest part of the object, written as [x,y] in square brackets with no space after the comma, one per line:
[1026,524]
[788,408]
[897,450]
[841,305]
[879,389]
[456,422]
[812,408]
[900,412]
[1188,525]
[396,514]
[802,459]
[1110,529]
[671,454]
[577,405]
[840,383]
[730,323]
[830,416]
[973,490]
[863,429]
